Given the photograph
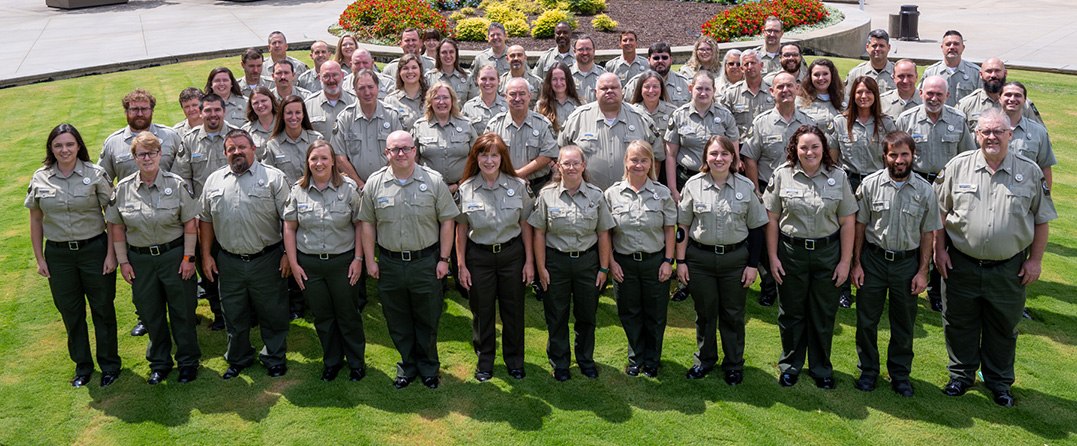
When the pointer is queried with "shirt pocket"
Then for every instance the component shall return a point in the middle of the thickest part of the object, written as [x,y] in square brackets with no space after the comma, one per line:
[1020,202]
[797,201]
[261,199]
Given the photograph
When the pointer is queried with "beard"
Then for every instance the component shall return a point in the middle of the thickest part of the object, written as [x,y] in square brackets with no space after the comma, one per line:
[994,85]
[239,164]
[897,175]
[139,123]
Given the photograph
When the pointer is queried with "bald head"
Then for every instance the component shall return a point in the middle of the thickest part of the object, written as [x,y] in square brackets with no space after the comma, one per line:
[993,74]
[608,91]
[331,77]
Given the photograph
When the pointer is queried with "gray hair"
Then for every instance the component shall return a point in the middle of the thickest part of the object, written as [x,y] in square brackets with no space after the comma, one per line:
[994,115]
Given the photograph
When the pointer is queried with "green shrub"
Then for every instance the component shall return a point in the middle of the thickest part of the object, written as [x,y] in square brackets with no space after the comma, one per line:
[503,13]
[385,19]
[467,11]
[603,22]
[472,29]
[554,4]
[587,7]
[517,28]
[457,16]
[542,27]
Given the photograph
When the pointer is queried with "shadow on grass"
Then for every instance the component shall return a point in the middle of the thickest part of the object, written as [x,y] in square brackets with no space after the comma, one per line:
[1061,250]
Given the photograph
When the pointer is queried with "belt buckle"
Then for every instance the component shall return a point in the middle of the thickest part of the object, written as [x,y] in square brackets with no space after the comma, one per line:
[155,250]
[246,257]
[809,244]
[637,256]
[496,248]
[405,256]
[574,254]
[74,246]
[323,256]
[889,255]
[719,249]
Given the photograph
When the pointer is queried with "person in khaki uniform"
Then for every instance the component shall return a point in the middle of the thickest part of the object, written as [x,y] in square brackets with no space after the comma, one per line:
[904,96]
[660,58]
[559,96]
[190,99]
[407,212]
[362,129]
[572,249]
[723,217]
[585,72]
[138,106]
[529,135]
[689,129]
[650,98]
[493,251]
[562,53]
[878,67]
[284,81]
[645,217]
[221,83]
[242,206]
[895,226]
[448,70]
[444,137]
[769,51]
[292,135]
[810,244]
[278,50]
[323,239]
[962,77]
[858,132]
[628,64]
[749,97]
[410,43]
[262,107]
[603,130]
[154,231]
[993,77]
[486,102]
[407,97]
[309,80]
[324,106]
[73,251]
[1030,138]
[518,70]
[251,63]
[496,55]
[996,207]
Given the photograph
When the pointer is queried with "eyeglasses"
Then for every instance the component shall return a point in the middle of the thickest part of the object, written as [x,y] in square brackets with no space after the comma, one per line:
[147,155]
[400,150]
[705,50]
[733,64]
[140,110]
[992,132]
[572,165]
[660,57]
[771,31]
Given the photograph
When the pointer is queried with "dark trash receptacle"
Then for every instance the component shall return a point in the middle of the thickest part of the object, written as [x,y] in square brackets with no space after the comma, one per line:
[910,23]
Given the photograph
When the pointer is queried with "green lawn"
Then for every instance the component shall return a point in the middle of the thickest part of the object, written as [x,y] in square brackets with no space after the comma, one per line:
[38,407]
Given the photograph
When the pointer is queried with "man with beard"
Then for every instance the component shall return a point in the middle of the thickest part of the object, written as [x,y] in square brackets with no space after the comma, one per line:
[995,207]
[278,50]
[518,69]
[562,36]
[993,75]
[898,215]
[660,58]
[410,43]
[242,208]
[251,62]
[628,64]
[791,62]
[748,97]
[529,135]
[940,132]
[903,97]
[770,49]
[324,106]
[362,128]
[877,67]
[584,72]
[283,75]
[320,54]
[961,76]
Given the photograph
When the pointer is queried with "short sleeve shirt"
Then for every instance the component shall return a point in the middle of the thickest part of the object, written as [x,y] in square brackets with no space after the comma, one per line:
[895,217]
[362,139]
[290,155]
[884,78]
[407,216]
[323,113]
[550,57]
[586,82]
[936,142]
[246,208]
[527,141]
[768,138]
[71,206]
[893,106]
[326,217]
[862,150]
[961,82]
[627,70]
[676,88]
[116,156]
[1030,140]
[479,114]
[571,221]
[493,214]
[720,214]
[154,213]
[809,207]
[409,108]
[691,129]
[445,148]
[745,106]
[603,144]
[200,154]
[641,216]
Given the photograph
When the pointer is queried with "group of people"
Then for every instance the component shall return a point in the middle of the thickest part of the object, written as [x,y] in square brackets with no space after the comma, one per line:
[286,193]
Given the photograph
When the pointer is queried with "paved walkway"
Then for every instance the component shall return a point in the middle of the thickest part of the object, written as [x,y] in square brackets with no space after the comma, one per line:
[40,41]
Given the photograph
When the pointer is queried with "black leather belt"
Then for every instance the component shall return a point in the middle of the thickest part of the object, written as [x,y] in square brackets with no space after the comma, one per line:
[718,249]
[350,252]
[986,263]
[892,256]
[75,245]
[157,250]
[408,256]
[249,257]
[811,243]
[641,256]
[496,247]
[574,254]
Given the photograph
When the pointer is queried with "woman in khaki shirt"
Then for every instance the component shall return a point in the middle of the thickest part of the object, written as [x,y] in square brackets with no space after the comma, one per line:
[261,115]
[407,97]
[558,97]
[291,138]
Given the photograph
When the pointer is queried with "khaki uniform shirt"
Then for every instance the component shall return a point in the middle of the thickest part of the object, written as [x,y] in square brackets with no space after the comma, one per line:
[809,207]
[992,216]
[571,221]
[893,106]
[245,209]
[720,214]
[625,70]
[550,57]
[483,58]
[458,81]
[884,77]
[362,140]
[479,114]
[409,108]
[309,81]
[768,138]
[691,130]
[323,114]
[71,206]
[895,217]
[326,217]
[586,82]
[298,67]
[235,110]
[534,82]
[768,62]
[640,217]
[563,110]
[862,151]
[407,216]
[676,88]
[445,148]
[153,213]
[660,116]
[1030,140]
[603,144]
[385,84]
[823,112]
[427,62]
[296,91]
[802,75]
[260,136]
[745,106]
[290,155]
[978,102]
[936,143]
[182,128]
[247,88]
[200,155]
[961,82]
[493,214]
[116,156]
[530,140]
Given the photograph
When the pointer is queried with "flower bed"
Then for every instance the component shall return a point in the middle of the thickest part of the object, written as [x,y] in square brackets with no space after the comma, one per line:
[383,20]
[748,19]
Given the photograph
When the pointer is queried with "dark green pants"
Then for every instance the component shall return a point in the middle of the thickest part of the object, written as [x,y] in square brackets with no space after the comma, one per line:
[76,280]
[337,308]
[411,299]
[572,284]
[165,301]
[257,286]
[880,278]
[642,305]
[808,302]
[981,307]
[719,300]
[497,284]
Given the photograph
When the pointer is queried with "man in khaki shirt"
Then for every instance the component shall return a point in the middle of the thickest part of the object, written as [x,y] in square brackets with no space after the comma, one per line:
[629,64]
[529,136]
[278,50]
[562,36]
[790,61]
[877,67]
[410,43]
[361,130]
[116,156]
[962,76]
[242,208]
[996,207]
[1030,138]
[660,58]
[518,70]
[320,54]
[585,71]
[202,149]
[362,60]
[252,64]
[331,99]
[769,51]
[496,55]
[749,96]
[283,75]
[904,96]
[993,76]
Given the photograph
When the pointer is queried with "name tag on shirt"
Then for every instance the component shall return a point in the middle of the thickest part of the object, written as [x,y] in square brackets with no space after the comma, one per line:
[774,139]
[793,193]
[966,188]
[475,206]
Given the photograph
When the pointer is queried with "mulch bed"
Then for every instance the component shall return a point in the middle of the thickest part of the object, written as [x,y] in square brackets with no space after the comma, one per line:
[674,22]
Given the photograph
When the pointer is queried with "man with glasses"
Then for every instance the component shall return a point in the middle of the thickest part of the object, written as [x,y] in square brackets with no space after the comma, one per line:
[529,135]
[585,72]
[770,49]
[748,97]
[791,62]
[407,212]
[660,59]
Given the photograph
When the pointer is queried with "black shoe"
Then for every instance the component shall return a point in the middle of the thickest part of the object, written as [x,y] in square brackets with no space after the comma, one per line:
[681,294]
[936,304]
[561,375]
[278,370]
[295,315]
[107,378]
[139,329]
[697,372]
[589,372]
[787,379]
[158,376]
[483,375]
[330,373]
[431,381]
[902,387]
[188,373]
[1004,398]
[80,380]
[767,300]
[357,374]
[539,292]
[865,383]
[734,377]
[1025,314]
[232,372]
[650,372]
[218,323]
[825,383]
[632,370]
[401,382]
[517,373]
[846,300]
[955,388]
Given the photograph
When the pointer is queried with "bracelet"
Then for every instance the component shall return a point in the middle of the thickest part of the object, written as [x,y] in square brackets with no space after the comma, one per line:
[358,258]
[443,259]
[680,261]
[604,270]
[125,263]
[189,258]
[668,260]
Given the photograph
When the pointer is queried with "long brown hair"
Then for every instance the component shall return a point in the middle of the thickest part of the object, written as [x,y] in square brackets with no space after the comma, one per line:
[399,69]
[253,117]
[853,110]
[836,92]
[488,143]
[791,150]
[547,103]
[278,128]
[335,176]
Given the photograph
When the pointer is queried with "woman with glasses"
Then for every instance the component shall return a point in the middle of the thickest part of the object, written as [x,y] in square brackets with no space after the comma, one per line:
[731,71]
[704,57]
